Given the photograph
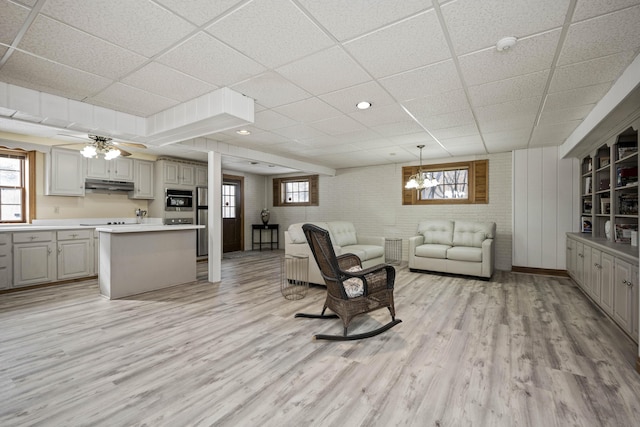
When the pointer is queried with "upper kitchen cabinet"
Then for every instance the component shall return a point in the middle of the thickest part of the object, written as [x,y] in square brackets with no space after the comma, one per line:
[65,173]
[202,173]
[175,172]
[118,169]
[143,180]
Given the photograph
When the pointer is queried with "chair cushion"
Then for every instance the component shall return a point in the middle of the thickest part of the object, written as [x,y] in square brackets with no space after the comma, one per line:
[437,231]
[354,286]
[364,252]
[472,234]
[465,253]
[297,235]
[432,251]
[343,233]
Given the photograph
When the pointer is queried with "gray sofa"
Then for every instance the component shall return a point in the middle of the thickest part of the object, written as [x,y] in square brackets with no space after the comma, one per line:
[345,239]
[458,247]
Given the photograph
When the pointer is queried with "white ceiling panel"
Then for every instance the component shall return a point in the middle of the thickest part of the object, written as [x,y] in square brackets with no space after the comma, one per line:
[389,50]
[332,69]
[307,63]
[273,33]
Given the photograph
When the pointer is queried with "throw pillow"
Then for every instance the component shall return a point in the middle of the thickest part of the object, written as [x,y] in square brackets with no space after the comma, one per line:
[354,286]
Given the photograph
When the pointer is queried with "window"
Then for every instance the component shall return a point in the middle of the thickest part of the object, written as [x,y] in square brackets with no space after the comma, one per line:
[228,201]
[296,191]
[13,187]
[452,183]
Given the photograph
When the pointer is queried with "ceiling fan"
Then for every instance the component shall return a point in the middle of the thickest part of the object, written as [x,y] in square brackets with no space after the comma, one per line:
[105,146]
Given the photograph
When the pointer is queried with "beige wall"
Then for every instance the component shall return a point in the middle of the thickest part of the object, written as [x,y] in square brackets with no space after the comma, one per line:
[91,206]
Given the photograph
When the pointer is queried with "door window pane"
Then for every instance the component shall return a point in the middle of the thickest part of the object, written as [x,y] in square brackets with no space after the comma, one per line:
[228,201]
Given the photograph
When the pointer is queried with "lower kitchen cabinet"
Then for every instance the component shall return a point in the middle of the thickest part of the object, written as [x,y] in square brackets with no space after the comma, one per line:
[5,261]
[33,262]
[75,254]
[608,274]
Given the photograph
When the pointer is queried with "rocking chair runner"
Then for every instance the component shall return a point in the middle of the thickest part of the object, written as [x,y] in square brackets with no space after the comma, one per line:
[377,283]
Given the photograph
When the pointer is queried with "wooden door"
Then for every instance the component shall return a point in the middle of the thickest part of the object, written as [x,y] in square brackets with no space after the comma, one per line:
[232,213]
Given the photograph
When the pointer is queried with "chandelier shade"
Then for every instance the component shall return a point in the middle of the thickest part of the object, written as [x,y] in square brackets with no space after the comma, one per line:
[100,145]
[420,181]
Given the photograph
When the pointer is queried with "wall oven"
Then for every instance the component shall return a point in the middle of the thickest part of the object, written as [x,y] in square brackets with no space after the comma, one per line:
[178,200]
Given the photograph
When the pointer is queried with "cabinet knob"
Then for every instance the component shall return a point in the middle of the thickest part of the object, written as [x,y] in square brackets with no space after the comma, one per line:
[59,249]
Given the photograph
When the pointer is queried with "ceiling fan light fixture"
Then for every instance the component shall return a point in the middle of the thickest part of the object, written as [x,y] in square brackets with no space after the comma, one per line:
[89,151]
[111,154]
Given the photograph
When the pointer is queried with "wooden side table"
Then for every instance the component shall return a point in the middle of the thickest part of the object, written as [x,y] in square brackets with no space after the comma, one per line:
[272,241]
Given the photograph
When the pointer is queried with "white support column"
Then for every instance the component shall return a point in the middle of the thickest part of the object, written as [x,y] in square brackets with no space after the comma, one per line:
[214,195]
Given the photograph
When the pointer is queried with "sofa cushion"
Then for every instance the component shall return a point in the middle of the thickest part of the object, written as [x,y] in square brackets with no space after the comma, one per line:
[467,233]
[432,251]
[343,233]
[437,231]
[297,235]
[464,253]
[364,252]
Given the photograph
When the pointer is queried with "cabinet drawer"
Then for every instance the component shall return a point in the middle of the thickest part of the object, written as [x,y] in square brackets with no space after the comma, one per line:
[5,239]
[5,260]
[35,236]
[75,234]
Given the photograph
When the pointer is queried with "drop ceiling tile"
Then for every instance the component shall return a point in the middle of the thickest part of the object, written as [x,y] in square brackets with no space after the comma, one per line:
[299,132]
[359,135]
[569,114]
[591,72]
[514,122]
[448,120]
[199,11]
[480,24]
[271,90]
[130,100]
[528,56]
[466,150]
[337,125]
[425,81]
[383,114]
[308,110]
[389,50]
[28,3]
[399,128]
[373,143]
[456,132]
[165,81]
[507,140]
[332,70]
[441,103]
[552,134]
[463,140]
[519,87]
[412,139]
[321,142]
[370,15]
[589,9]
[61,43]
[575,97]
[270,120]
[46,76]
[506,110]
[207,59]
[273,33]
[345,100]
[13,16]
[602,36]
[131,29]
[261,139]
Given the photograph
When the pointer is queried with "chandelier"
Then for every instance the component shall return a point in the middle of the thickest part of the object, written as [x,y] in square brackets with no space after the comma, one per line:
[420,181]
[100,145]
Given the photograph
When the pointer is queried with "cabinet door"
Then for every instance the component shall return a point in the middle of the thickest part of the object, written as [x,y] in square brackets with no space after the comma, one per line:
[65,173]
[97,168]
[571,258]
[596,274]
[143,180]
[622,295]
[121,169]
[635,304]
[580,264]
[187,174]
[33,263]
[606,280]
[75,259]
[171,173]
[202,176]
[5,260]
[587,274]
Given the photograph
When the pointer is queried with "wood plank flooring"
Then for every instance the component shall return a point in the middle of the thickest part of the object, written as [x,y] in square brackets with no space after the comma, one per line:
[519,350]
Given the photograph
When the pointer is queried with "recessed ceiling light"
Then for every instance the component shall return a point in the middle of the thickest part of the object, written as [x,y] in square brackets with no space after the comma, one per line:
[506,43]
[363,105]
[243,132]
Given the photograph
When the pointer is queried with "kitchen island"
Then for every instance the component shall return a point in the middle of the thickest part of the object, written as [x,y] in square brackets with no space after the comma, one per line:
[140,258]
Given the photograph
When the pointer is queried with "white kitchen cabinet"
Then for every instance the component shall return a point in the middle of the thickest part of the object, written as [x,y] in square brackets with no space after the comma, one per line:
[571,258]
[624,289]
[580,264]
[201,176]
[179,173]
[5,261]
[143,180]
[65,173]
[118,169]
[596,274]
[34,258]
[75,254]
[606,282]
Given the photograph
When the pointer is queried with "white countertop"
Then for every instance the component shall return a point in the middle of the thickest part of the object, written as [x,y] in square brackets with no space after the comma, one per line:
[149,225]
[141,228]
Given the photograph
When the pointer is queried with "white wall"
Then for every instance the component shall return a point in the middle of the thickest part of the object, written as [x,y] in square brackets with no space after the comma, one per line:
[545,207]
[371,198]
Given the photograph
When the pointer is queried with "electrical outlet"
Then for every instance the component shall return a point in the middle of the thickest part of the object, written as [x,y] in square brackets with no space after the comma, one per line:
[56,209]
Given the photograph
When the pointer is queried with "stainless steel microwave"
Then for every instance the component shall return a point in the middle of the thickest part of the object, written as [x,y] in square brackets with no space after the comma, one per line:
[178,200]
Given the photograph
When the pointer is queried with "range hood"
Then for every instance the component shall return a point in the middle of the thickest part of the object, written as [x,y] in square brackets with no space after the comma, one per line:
[107,186]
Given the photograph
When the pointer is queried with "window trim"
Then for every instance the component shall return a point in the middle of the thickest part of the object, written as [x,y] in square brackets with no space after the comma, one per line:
[28,185]
[278,192]
[478,183]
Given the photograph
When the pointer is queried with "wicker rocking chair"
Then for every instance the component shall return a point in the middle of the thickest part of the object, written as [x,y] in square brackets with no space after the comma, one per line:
[376,289]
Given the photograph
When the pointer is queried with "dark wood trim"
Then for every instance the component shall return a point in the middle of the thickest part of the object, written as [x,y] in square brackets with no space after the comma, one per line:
[541,271]
[638,364]
[239,178]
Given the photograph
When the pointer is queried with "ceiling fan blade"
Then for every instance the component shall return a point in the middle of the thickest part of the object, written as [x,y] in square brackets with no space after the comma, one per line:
[130,144]
[124,153]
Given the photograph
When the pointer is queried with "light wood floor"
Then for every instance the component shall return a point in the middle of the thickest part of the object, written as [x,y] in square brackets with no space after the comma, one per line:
[520,350]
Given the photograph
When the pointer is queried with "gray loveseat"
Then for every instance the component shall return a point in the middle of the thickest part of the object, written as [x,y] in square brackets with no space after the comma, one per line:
[345,240]
[459,247]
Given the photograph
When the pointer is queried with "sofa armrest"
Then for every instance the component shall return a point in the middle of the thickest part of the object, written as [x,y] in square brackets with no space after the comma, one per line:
[414,242]
[371,240]
[488,256]
[287,237]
